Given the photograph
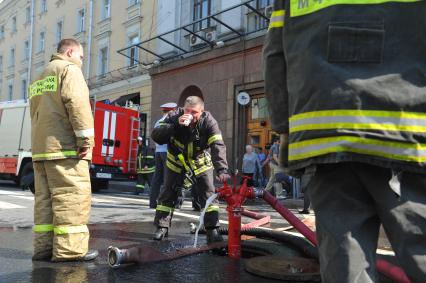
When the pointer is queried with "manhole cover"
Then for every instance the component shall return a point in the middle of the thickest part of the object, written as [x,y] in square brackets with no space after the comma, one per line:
[284,268]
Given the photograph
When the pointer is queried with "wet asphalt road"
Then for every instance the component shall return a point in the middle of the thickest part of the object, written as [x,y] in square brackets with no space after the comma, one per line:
[121,219]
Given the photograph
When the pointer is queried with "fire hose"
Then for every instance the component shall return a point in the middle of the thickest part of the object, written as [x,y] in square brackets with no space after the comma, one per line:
[300,243]
[236,197]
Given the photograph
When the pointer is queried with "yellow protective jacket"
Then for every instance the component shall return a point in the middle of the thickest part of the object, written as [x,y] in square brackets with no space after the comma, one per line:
[346,81]
[61,117]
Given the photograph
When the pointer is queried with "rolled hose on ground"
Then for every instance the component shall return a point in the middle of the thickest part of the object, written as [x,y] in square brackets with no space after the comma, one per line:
[300,243]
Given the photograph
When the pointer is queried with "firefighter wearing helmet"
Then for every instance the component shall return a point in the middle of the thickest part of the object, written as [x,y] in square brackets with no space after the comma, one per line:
[62,142]
[189,132]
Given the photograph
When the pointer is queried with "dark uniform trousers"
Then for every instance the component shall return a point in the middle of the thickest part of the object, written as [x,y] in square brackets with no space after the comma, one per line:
[158,179]
[169,196]
[366,190]
[144,178]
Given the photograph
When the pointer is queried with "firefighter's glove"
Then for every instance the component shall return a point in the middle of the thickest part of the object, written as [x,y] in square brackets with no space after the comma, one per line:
[283,156]
[223,176]
[83,151]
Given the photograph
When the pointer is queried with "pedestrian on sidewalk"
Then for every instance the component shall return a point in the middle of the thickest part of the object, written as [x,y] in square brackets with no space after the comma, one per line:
[261,174]
[62,142]
[274,169]
[250,165]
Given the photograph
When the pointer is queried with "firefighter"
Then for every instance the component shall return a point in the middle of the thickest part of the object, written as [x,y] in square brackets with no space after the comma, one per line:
[62,142]
[346,86]
[189,133]
[145,166]
[160,159]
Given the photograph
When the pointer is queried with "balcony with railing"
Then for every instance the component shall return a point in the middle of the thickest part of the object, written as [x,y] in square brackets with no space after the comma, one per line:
[213,31]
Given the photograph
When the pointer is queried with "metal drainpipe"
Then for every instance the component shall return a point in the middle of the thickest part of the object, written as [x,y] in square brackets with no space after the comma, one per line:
[89,45]
[30,47]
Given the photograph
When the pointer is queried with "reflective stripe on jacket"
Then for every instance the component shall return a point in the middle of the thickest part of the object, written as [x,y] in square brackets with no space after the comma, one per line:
[346,80]
[61,117]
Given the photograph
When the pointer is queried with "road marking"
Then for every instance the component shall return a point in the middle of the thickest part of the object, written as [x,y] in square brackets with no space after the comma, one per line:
[8,205]
[23,197]
[12,193]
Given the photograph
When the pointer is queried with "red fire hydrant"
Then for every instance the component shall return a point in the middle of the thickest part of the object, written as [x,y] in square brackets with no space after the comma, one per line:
[235,198]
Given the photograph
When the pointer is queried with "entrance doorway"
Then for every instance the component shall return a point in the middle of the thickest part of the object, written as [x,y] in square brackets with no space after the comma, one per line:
[259,132]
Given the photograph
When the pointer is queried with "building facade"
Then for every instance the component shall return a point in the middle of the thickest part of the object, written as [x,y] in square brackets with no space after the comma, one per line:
[213,49]
[31,29]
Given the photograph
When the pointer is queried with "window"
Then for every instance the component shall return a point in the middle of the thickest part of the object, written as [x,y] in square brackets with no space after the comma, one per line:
[259,108]
[14,24]
[202,8]
[12,57]
[59,26]
[10,92]
[80,20]
[134,51]
[43,6]
[133,2]
[41,42]
[26,50]
[103,61]
[254,21]
[28,15]
[24,89]
[2,32]
[106,9]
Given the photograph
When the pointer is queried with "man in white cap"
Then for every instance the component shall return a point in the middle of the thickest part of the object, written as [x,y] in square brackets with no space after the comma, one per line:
[160,159]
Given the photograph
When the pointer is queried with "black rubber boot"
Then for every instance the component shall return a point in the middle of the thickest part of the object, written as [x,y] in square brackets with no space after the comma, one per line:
[213,236]
[90,255]
[160,233]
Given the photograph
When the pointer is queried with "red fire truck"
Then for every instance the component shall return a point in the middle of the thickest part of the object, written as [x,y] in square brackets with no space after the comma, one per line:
[114,154]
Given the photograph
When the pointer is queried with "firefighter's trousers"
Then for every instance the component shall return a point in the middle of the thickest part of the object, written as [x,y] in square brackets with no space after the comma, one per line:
[143,178]
[62,208]
[169,196]
[350,201]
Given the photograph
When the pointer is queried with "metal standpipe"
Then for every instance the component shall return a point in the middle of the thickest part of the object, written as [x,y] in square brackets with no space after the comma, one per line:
[234,233]
[235,198]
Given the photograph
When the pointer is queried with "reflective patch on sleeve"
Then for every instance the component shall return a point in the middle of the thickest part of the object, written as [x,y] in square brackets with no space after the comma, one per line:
[55,155]
[85,133]
[277,19]
[214,138]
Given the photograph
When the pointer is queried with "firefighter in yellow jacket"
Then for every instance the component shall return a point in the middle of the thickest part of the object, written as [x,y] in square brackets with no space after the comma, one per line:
[62,141]
[346,86]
